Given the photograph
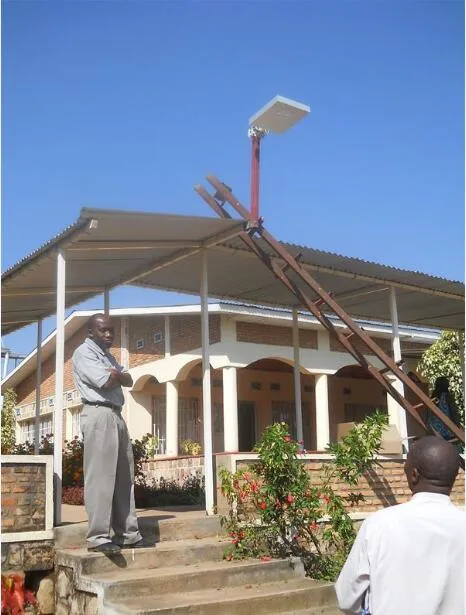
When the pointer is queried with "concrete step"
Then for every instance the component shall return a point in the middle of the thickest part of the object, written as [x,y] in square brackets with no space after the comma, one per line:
[286,596]
[164,554]
[120,584]
[155,528]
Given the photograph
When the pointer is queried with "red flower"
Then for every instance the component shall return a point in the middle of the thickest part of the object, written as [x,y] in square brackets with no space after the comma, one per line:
[290,499]
[266,558]
[313,526]
[287,438]
[326,499]
[262,505]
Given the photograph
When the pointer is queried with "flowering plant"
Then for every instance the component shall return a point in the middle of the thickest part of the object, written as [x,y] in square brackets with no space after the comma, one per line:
[15,597]
[275,510]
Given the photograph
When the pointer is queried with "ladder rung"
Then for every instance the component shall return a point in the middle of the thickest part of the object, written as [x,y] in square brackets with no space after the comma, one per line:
[389,369]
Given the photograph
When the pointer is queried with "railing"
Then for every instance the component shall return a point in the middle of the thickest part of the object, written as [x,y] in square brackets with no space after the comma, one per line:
[71,399]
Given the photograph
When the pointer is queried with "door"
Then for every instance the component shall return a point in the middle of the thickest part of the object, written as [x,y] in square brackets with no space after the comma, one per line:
[246,425]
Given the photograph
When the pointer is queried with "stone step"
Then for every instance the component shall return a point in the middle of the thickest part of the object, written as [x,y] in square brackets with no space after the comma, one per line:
[286,596]
[156,528]
[163,554]
[204,575]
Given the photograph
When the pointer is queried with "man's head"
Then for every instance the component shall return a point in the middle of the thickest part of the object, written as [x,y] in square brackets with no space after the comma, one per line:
[432,466]
[100,330]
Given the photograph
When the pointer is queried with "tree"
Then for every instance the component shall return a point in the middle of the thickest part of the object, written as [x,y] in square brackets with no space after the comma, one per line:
[8,433]
[446,358]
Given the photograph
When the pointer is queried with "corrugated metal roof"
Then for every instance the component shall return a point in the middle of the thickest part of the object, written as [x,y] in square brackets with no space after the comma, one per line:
[163,251]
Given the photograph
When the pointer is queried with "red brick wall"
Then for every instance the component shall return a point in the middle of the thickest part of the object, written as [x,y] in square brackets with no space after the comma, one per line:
[256,333]
[26,390]
[23,497]
[185,332]
[383,486]
[144,327]
[383,342]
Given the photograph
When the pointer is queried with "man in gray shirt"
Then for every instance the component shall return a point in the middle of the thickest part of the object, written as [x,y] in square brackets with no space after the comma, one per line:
[108,453]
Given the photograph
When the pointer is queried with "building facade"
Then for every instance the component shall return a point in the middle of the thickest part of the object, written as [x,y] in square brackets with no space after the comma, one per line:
[251,357]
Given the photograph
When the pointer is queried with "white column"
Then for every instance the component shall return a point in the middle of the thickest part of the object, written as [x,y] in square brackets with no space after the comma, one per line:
[6,360]
[38,383]
[168,341]
[106,302]
[322,413]
[230,410]
[171,422]
[396,414]
[124,361]
[206,391]
[297,378]
[59,361]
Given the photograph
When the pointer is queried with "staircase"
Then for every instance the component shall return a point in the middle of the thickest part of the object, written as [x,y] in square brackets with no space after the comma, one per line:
[189,575]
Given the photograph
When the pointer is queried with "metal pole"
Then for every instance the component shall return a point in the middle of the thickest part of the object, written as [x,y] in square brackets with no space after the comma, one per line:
[38,383]
[396,345]
[106,302]
[297,378]
[206,391]
[255,168]
[6,360]
[59,361]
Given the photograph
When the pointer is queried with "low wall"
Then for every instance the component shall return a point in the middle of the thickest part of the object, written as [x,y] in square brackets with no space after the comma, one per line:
[384,485]
[27,512]
[174,468]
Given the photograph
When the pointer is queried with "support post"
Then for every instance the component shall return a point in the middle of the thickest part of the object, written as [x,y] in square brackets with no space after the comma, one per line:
[255,171]
[396,413]
[6,360]
[322,413]
[106,302]
[230,410]
[297,378]
[167,343]
[171,420]
[206,390]
[38,383]
[58,408]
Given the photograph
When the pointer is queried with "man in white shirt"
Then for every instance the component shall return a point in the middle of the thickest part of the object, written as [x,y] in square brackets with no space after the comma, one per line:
[409,559]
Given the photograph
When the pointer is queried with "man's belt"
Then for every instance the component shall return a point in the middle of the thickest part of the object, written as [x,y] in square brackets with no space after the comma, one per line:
[106,404]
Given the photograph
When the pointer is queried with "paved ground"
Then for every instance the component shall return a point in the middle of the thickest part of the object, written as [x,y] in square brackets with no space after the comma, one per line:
[77,514]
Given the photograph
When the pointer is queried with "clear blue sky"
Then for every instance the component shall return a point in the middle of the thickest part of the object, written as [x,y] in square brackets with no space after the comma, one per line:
[129,104]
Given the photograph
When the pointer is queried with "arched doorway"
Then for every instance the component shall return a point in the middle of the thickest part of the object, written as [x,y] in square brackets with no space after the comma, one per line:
[353,395]
[266,395]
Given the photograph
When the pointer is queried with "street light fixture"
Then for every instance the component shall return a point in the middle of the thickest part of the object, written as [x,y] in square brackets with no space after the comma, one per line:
[277,116]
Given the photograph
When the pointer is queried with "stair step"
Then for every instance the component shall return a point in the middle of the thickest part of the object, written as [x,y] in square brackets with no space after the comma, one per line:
[158,528]
[184,578]
[276,597]
[169,553]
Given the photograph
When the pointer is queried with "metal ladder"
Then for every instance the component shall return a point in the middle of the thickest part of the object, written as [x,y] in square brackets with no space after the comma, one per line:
[311,295]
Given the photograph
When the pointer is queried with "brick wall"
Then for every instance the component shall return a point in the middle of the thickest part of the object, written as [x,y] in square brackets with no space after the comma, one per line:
[23,497]
[177,468]
[256,333]
[383,342]
[26,390]
[185,332]
[384,486]
[144,328]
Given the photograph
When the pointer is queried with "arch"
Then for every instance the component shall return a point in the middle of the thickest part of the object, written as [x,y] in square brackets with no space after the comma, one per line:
[142,381]
[275,364]
[354,371]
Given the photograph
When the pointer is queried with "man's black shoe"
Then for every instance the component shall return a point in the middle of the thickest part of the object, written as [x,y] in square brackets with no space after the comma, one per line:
[107,548]
[137,545]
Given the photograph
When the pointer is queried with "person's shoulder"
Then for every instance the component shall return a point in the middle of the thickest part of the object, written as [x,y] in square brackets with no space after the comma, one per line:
[386,515]
[83,350]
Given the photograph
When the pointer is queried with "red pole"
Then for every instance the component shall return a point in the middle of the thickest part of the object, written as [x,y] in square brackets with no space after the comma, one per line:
[255,165]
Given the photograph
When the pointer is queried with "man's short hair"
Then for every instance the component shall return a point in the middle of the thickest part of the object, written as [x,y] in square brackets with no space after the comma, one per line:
[436,460]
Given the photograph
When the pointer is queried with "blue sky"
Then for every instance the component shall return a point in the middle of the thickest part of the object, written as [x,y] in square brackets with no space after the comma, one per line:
[128,104]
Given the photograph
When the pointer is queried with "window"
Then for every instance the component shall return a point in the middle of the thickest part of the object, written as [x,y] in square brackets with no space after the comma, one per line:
[355,413]
[284,412]
[76,423]
[159,422]
[275,386]
[256,386]
[28,429]
[196,382]
[140,343]
[158,337]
